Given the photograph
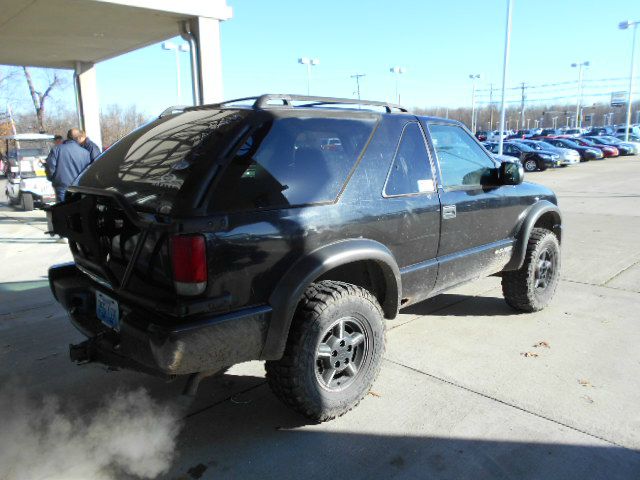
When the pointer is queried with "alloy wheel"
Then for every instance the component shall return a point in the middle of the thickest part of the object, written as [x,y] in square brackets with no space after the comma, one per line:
[341,353]
[545,270]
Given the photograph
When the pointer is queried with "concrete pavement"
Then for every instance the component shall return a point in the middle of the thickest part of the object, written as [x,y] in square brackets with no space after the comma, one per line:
[468,389]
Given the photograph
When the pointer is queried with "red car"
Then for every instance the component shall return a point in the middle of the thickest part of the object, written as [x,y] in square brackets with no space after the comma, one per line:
[607,150]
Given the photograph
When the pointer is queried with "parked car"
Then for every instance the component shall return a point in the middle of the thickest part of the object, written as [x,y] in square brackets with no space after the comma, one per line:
[607,150]
[482,135]
[567,156]
[574,132]
[623,148]
[633,130]
[239,238]
[531,159]
[550,132]
[522,134]
[632,138]
[606,130]
[494,135]
[586,153]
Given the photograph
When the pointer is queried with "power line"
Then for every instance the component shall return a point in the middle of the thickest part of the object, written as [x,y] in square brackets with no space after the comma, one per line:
[570,82]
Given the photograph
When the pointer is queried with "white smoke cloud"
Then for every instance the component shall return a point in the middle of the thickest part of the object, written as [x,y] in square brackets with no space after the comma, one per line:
[130,434]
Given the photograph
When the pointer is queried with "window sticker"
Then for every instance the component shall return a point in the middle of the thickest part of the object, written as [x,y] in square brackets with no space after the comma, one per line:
[425,185]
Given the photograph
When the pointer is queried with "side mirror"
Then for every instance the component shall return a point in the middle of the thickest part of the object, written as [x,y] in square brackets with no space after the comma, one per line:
[511,173]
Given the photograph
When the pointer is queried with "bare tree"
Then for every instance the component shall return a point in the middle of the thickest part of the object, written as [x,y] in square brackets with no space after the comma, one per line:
[116,122]
[39,98]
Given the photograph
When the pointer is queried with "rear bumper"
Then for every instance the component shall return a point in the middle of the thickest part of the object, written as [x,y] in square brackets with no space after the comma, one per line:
[153,344]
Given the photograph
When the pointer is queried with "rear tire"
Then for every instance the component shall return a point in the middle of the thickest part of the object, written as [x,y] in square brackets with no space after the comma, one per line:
[333,353]
[532,287]
[27,202]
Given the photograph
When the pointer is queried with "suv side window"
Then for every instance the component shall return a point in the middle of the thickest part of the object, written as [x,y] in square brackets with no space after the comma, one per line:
[410,171]
[463,163]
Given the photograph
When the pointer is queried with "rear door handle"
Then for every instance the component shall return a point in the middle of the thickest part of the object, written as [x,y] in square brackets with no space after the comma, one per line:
[448,212]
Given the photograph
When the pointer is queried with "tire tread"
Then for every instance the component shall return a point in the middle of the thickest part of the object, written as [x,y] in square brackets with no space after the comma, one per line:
[284,379]
[515,286]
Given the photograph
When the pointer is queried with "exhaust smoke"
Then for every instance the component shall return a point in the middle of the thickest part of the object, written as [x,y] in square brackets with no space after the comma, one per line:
[129,434]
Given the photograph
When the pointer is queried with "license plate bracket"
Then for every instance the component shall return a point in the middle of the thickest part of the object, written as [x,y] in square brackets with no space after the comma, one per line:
[108,311]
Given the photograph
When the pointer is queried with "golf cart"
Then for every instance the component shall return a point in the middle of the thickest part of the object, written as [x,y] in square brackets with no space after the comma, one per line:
[25,155]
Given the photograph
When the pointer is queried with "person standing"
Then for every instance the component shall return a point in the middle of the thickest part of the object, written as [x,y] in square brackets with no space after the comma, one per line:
[65,162]
[89,146]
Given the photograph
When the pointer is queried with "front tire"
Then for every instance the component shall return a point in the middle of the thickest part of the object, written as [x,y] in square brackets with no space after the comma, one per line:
[532,287]
[333,353]
[530,165]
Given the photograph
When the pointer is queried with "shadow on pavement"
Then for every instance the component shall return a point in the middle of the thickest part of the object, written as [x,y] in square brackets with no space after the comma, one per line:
[262,439]
[18,296]
[449,304]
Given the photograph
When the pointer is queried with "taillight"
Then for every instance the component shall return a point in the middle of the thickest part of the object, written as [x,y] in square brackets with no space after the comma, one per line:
[189,260]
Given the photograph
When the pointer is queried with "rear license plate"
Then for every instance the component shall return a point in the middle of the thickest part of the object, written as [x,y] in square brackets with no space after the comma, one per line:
[107,311]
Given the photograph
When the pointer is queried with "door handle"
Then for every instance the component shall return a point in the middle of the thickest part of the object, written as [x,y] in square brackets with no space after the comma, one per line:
[448,212]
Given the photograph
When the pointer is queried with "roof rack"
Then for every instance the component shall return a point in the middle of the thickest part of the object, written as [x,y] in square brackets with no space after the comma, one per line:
[173,109]
[264,101]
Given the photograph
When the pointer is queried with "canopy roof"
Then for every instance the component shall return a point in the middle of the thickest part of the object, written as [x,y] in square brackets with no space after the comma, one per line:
[57,33]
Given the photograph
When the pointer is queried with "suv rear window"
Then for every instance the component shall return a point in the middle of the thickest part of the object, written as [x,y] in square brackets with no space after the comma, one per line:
[292,161]
[150,165]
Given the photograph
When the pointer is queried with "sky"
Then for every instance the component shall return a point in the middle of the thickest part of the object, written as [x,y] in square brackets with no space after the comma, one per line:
[438,43]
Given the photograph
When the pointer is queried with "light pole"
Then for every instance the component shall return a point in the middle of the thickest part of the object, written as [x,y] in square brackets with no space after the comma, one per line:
[357,76]
[555,122]
[184,47]
[623,26]
[579,67]
[473,78]
[491,107]
[507,45]
[309,62]
[397,71]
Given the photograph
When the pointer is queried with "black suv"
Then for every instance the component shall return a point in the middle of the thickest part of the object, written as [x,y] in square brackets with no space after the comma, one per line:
[229,232]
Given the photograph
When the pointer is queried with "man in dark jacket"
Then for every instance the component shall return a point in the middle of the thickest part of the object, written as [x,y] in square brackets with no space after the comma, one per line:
[65,162]
[89,146]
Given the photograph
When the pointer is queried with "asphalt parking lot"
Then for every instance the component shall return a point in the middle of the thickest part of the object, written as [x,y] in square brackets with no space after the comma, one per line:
[468,389]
